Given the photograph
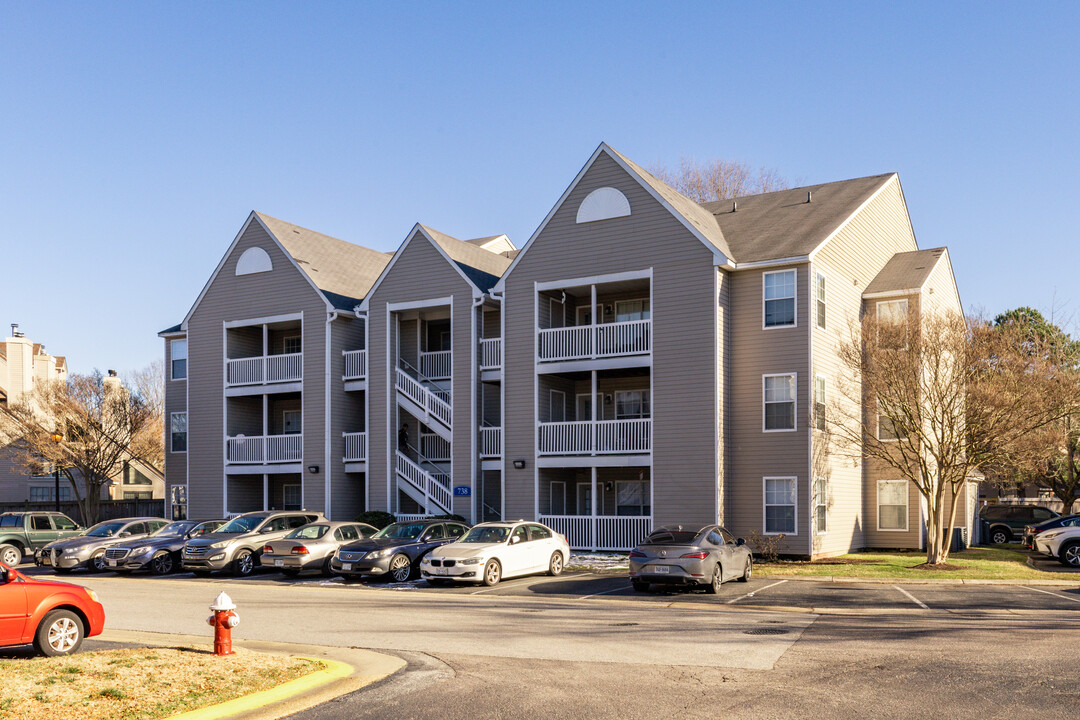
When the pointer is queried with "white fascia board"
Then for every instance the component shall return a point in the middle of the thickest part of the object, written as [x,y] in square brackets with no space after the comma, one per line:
[174,334]
[892,293]
[418,304]
[873,196]
[757,264]
[287,317]
[595,279]
[718,257]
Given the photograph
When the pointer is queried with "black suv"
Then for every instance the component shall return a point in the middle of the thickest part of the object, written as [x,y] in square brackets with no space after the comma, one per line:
[1007,522]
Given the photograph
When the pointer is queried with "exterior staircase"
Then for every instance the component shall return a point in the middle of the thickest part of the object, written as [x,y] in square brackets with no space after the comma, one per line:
[422,481]
[427,401]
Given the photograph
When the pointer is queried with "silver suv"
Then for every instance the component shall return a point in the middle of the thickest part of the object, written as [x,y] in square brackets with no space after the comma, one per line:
[238,544]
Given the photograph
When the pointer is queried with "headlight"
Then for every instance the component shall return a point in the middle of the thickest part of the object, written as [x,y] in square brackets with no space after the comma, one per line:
[471,561]
[381,553]
[220,544]
[93,595]
[142,550]
[1050,534]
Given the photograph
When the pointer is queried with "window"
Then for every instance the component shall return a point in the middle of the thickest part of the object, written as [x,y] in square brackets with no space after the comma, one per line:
[631,310]
[780,496]
[138,496]
[819,402]
[584,499]
[539,532]
[821,504]
[290,497]
[886,428]
[632,404]
[435,532]
[779,288]
[892,312]
[584,406]
[178,431]
[558,313]
[40,522]
[892,500]
[62,522]
[632,498]
[557,406]
[178,356]
[10,520]
[134,477]
[291,344]
[521,533]
[47,493]
[779,401]
[558,497]
[820,300]
[455,531]
[290,422]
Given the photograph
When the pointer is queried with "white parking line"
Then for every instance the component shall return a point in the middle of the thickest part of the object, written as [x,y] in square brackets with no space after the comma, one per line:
[1047,592]
[912,598]
[751,594]
[607,592]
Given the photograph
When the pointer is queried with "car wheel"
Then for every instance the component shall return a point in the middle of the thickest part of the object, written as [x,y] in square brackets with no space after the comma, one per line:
[60,633]
[400,568]
[201,573]
[1070,555]
[96,563]
[999,536]
[327,570]
[243,564]
[747,571]
[640,586]
[713,587]
[162,563]
[492,573]
[555,565]
[10,555]
[290,573]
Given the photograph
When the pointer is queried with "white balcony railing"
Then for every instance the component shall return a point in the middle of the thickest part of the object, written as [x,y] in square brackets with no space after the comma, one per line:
[355,364]
[491,354]
[603,437]
[435,406]
[355,447]
[265,448]
[603,532]
[586,342]
[434,448]
[426,487]
[265,369]
[490,442]
[436,365]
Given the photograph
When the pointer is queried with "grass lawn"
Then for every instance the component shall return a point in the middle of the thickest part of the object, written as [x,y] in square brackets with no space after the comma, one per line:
[139,684]
[994,562]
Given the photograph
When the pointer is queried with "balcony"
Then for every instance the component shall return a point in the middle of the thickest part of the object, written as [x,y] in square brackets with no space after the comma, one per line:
[603,437]
[491,354]
[355,364]
[491,442]
[264,370]
[436,365]
[355,447]
[264,449]
[594,342]
[589,532]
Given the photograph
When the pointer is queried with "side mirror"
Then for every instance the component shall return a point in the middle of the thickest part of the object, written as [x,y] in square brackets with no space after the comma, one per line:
[267,529]
[515,539]
[5,575]
[124,534]
[740,541]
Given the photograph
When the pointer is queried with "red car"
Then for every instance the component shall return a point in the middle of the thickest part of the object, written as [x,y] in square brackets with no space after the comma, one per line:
[54,616]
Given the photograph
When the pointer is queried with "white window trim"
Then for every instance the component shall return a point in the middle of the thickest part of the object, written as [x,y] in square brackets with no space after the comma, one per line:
[819,502]
[300,489]
[764,505]
[877,429]
[819,401]
[907,506]
[644,498]
[582,497]
[615,307]
[794,297]
[283,423]
[287,338]
[899,301]
[817,299]
[644,392]
[795,392]
[173,358]
[577,405]
[171,415]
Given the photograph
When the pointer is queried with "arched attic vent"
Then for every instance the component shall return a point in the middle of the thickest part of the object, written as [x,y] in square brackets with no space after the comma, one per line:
[602,204]
[254,260]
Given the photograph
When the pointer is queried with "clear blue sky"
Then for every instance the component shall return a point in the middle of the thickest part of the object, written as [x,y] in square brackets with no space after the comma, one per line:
[136,137]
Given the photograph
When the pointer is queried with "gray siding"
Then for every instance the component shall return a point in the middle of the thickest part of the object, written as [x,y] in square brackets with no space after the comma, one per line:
[684,352]
[347,414]
[175,401]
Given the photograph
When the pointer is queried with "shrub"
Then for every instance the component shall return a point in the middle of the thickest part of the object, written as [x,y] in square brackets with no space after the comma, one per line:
[376,518]
[766,547]
[459,518]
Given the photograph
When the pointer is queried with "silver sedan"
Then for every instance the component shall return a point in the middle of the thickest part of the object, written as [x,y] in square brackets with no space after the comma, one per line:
[312,546]
[675,555]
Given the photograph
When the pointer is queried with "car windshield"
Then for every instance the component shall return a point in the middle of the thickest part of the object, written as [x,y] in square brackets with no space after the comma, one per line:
[171,530]
[486,535]
[241,525]
[105,529]
[671,537]
[401,531]
[206,527]
[308,532]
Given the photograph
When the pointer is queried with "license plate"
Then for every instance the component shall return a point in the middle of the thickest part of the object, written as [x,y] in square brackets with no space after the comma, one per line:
[660,569]
[441,571]
[112,563]
[279,563]
[346,566]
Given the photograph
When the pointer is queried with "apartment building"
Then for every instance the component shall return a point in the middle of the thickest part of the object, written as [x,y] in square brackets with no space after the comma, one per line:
[642,360]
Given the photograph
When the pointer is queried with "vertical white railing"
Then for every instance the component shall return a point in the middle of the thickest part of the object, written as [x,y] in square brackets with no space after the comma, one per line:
[355,364]
[435,365]
[284,368]
[630,337]
[284,448]
[265,448]
[265,369]
[490,442]
[587,532]
[491,353]
[603,437]
[577,529]
[569,343]
[245,449]
[245,371]
[572,437]
[434,447]
[623,436]
[432,489]
[435,406]
[355,447]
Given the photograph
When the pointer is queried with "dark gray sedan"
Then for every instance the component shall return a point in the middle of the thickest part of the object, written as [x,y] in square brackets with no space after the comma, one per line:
[678,556]
[88,550]
[159,552]
[396,550]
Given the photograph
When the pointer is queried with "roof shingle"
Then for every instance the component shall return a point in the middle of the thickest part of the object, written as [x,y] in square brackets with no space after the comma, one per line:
[905,271]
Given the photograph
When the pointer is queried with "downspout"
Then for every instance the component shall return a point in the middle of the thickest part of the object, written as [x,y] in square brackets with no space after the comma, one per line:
[477,408]
[330,318]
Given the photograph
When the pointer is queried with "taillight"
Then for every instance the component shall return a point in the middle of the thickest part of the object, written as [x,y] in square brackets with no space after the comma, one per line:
[268,549]
[299,550]
[696,556]
[637,553]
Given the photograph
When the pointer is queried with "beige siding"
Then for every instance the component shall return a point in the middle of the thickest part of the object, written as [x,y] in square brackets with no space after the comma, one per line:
[281,291]
[939,290]
[420,273]
[683,299]
[849,262]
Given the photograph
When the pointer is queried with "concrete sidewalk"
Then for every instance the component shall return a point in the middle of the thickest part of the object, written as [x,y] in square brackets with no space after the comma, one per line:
[367,667]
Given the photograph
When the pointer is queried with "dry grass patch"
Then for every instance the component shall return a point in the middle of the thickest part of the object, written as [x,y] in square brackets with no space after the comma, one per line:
[139,684]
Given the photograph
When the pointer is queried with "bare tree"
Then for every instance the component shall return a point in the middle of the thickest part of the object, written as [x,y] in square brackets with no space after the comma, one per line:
[935,398]
[85,426]
[148,385]
[719,179]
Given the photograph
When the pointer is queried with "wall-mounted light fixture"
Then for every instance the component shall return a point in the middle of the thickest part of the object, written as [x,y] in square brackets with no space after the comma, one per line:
[519,464]
[313,469]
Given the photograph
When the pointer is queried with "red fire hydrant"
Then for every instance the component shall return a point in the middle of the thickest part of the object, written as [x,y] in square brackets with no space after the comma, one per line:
[223,621]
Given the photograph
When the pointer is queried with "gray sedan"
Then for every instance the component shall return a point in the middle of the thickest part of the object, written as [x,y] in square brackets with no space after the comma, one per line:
[312,546]
[677,556]
[88,550]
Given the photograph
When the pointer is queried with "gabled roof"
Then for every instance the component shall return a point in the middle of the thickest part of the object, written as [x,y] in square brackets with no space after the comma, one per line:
[782,224]
[906,272]
[342,271]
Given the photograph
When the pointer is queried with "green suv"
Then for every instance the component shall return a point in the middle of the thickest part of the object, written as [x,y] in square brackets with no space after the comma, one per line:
[21,533]
[1007,522]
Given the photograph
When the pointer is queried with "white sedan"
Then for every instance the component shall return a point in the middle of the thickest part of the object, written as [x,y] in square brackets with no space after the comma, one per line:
[494,550]
[1062,543]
